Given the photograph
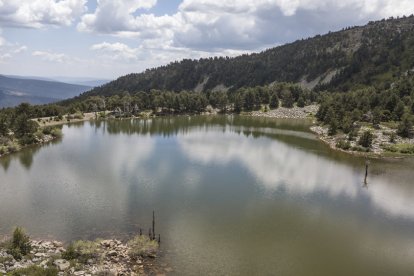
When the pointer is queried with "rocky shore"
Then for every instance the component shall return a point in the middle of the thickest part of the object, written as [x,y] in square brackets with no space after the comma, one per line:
[288,113]
[384,140]
[104,257]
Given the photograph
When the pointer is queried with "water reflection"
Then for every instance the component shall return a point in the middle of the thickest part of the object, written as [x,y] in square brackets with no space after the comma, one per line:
[234,195]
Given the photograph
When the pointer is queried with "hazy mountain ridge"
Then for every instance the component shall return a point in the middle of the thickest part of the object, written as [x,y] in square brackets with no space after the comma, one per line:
[15,90]
[374,54]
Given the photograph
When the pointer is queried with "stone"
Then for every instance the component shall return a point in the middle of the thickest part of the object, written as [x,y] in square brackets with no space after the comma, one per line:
[57,244]
[78,273]
[112,253]
[61,264]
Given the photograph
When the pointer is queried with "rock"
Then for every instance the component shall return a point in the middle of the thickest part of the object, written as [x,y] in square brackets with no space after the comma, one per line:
[57,244]
[112,253]
[108,243]
[81,272]
[39,255]
[61,264]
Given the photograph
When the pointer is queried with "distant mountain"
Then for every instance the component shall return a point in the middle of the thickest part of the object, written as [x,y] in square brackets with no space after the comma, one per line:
[82,81]
[15,90]
[372,55]
[92,82]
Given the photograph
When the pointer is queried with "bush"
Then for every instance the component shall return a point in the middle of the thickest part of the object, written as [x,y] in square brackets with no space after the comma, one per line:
[405,127]
[83,250]
[34,271]
[78,115]
[359,148]
[301,102]
[343,144]
[142,246]
[366,139]
[70,253]
[47,130]
[56,132]
[20,244]
[11,147]
[393,137]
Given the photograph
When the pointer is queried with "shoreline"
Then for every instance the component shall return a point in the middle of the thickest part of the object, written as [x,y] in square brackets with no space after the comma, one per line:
[377,150]
[305,113]
[99,257]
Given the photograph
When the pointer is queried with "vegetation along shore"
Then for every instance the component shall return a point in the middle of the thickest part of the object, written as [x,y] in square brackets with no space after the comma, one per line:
[369,120]
[20,255]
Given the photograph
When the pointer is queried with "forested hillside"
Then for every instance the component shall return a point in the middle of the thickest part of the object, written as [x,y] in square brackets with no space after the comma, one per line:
[374,54]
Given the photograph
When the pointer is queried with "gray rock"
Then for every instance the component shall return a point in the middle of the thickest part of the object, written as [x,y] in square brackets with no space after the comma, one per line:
[61,264]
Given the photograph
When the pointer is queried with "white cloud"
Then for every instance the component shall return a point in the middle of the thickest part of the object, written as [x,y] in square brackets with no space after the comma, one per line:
[117,51]
[40,13]
[115,16]
[214,25]
[50,56]
[8,49]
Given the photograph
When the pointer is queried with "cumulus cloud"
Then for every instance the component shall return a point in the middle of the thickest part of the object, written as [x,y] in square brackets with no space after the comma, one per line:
[213,25]
[40,13]
[8,49]
[117,51]
[50,56]
[116,16]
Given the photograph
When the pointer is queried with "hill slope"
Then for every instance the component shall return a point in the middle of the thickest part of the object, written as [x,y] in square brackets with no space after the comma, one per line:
[15,90]
[374,54]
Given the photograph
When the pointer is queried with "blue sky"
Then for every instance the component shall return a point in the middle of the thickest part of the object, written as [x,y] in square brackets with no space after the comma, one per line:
[110,38]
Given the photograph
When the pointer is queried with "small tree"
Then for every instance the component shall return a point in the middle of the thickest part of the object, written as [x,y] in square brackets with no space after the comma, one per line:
[405,127]
[333,127]
[19,244]
[238,103]
[301,102]
[287,99]
[366,139]
[274,101]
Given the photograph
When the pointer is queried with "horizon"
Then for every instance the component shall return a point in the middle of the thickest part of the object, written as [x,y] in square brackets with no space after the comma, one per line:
[76,39]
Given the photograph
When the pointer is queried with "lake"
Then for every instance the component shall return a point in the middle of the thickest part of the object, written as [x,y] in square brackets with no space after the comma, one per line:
[233,196]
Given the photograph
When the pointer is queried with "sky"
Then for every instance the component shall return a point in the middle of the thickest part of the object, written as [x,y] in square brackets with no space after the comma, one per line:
[106,39]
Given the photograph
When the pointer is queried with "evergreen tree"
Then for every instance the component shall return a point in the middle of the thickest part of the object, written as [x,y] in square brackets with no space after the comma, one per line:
[301,102]
[274,101]
[366,139]
[238,103]
[287,99]
[405,127]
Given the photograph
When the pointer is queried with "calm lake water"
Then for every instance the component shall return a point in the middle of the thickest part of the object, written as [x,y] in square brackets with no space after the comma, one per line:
[232,195]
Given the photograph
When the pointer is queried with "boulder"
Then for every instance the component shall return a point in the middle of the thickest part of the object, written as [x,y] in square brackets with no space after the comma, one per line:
[61,264]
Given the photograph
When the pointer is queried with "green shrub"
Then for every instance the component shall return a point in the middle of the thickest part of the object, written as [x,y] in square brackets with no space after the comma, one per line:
[78,115]
[70,253]
[47,130]
[82,250]
[393,137]
[21,240]
[366,139]
[56,132]
[142,246]
[34,271]
[27,139]
[12,147]
[391,148]
[359,148]
[20,244]
[343,144]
